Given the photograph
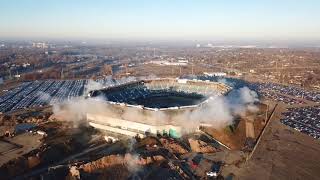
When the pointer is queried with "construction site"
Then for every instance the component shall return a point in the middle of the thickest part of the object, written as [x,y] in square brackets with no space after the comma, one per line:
[129,131]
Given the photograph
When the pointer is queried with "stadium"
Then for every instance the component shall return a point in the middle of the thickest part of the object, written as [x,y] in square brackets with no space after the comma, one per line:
[150,106]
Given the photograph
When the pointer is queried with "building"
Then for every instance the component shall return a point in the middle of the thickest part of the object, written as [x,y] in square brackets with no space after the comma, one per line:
[143,118]
[132,128]
[41,45]
[215,74]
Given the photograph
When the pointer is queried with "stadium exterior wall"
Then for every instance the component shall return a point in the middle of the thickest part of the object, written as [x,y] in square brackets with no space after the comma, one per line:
[131,128]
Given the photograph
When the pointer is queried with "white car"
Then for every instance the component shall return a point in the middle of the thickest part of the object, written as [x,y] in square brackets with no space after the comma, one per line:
[212,174]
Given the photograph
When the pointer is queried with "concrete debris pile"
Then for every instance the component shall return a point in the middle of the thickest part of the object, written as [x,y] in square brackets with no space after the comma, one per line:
[102,163]
[74,172]
[173,146]
[200,146]
[33,161]
[8,122]
[112,160]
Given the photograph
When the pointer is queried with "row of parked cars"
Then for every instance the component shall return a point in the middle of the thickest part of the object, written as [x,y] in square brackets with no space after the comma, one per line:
[304,119]
[290,90]
[281,98]
[40,93]
[271,90]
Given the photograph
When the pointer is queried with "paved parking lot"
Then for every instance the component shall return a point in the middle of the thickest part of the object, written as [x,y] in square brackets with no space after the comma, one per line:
[290,90]
[281,98]
[40,93]
[304,119]
[282,93]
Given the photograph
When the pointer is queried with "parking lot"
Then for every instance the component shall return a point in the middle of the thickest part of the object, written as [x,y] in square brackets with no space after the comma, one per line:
[281,98]
[40,93]
[290,95]
[289,90]
[304,119]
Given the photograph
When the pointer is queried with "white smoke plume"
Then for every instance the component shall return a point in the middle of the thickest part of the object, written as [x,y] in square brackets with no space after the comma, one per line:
[248,96]
[76,109]
[133,163]
[150,116]
[243,100]
[124,80]
[92,85]
[216,112]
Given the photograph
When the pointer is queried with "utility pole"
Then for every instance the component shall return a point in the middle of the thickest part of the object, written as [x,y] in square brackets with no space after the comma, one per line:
[266,119]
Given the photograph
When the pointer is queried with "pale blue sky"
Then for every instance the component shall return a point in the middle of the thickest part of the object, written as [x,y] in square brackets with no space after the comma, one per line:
[161,19]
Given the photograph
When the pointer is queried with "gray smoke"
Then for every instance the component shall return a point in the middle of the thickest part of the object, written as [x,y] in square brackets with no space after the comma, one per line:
[92,85]
[221,111]
[216,113]
[242,101]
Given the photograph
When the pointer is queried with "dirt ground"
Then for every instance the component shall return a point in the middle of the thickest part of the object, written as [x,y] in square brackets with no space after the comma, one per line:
[283,153]
[26,141]
[235,140]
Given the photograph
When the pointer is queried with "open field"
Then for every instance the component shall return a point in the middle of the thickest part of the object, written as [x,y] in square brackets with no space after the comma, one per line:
[283,153]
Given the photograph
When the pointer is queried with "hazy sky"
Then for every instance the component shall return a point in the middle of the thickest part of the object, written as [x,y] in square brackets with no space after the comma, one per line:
[161,19]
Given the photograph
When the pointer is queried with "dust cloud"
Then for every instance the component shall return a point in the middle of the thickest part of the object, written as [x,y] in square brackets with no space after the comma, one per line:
[221,111]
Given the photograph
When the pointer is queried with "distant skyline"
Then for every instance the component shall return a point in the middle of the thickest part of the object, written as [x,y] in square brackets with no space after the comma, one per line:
[249,20]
